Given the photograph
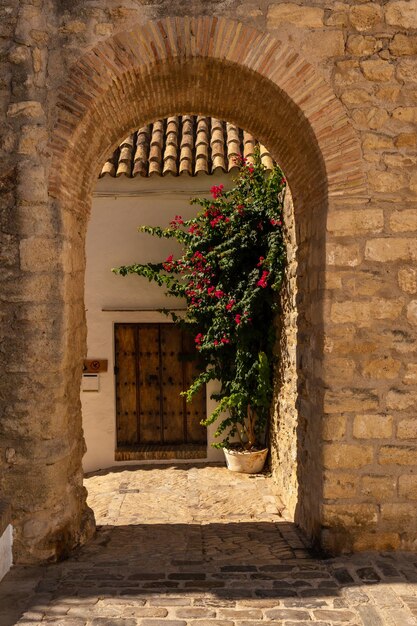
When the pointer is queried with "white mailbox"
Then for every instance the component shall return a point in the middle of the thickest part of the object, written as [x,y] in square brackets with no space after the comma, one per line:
[90,382]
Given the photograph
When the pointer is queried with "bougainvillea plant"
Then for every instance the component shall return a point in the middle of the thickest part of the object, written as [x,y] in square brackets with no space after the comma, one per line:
[229,274]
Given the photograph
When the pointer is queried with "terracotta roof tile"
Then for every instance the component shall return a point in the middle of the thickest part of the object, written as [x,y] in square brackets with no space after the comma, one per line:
[184,144]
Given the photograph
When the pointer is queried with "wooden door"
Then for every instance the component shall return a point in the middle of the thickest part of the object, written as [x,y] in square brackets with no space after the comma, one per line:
[154,363]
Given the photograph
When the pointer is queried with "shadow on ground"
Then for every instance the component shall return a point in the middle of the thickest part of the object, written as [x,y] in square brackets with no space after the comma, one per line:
[211,570]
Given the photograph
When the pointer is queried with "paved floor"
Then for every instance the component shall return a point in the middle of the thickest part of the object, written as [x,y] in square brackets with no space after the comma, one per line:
[202,546]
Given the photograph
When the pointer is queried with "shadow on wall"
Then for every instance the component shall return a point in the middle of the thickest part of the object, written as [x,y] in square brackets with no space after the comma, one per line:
[295,437]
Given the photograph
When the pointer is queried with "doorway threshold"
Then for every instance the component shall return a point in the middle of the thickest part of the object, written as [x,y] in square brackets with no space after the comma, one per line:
[149,452]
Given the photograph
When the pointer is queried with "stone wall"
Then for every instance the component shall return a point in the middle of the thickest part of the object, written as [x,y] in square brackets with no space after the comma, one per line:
[343,127]
[285,442]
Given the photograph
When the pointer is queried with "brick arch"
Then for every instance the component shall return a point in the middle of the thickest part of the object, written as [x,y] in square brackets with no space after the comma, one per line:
[208,66]
[203,65]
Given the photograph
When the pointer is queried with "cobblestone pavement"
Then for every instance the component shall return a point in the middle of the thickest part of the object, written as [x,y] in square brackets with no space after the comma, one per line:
[202,546]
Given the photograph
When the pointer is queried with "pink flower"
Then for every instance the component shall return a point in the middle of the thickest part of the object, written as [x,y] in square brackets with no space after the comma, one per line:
[261,260]
[240,209]
[283,181]
[239,159]
[177,221]
[216,343]
[216,191]
[194,229]
[251,169]
[210,290]
[225,340]
[262,282]
[199,338]
[230,305]
[219,293]
[276,222]
[238,319]
[168,265]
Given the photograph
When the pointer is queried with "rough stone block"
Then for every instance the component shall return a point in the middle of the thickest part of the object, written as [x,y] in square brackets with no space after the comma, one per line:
[403,221]
[403,45]
[362,283]
[405,114]
[372,142]
[372,426]
[356,96]
[339,485]
[334,427]
[407,429]
[346,223]
[38,254]
[347,73]
[407,487]
[397,515]
[406,140]
[377,70]
[391,249]
[379,541]
[365,17]
[349,516]
[413,182]
[104,29]
[407,280]
[400,399]
[32,183]
[360,45]
[366,312]
[29,109]
[398,455]
[407,70]
[373,118]
[346,456]
[384,368]
[290,13]
[73,27]
[387,182]
[412,312]
[323,44]
[32,139]
[382,488]
[410,377]
[339,254]
[402,13]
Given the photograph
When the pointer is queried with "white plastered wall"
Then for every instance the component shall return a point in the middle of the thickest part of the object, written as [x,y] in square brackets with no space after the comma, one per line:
[6,555]
[119,207]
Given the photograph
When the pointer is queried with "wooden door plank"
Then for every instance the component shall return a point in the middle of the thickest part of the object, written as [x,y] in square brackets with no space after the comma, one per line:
[150,430]
[125,359]
[195,411]
[172,385]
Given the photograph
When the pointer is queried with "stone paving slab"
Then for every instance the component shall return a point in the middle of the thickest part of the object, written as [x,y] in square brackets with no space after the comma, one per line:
[201,546]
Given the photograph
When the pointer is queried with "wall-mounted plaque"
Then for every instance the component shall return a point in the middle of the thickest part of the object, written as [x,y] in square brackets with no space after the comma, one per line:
[95,366]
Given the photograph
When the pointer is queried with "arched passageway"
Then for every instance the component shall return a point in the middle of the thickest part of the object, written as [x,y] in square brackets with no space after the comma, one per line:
[207,66]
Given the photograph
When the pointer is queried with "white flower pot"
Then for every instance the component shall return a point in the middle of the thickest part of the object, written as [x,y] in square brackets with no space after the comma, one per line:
[245,461]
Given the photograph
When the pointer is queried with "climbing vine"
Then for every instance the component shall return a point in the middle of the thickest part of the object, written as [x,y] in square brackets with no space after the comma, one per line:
[229,274]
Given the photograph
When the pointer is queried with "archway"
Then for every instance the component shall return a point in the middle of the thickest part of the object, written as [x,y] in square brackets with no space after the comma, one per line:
[206,66]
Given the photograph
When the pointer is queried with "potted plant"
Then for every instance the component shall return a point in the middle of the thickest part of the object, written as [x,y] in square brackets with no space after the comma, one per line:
[229,274]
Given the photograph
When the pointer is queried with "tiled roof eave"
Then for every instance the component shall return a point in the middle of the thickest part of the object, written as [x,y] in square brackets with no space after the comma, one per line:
[183,146]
